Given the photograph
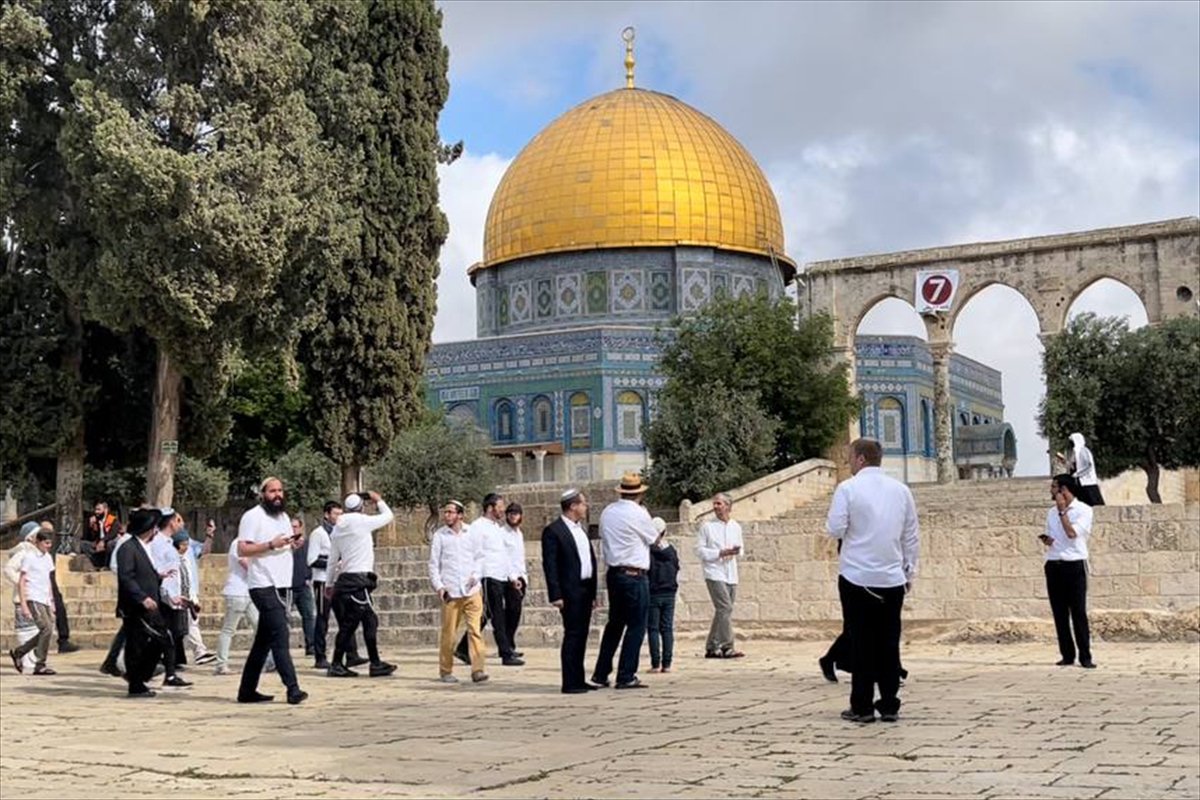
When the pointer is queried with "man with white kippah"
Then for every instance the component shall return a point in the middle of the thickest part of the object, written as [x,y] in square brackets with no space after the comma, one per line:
[351,579]
[569,563]
[455,569]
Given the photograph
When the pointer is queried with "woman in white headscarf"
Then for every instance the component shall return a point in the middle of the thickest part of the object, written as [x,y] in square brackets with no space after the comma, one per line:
[1083,467]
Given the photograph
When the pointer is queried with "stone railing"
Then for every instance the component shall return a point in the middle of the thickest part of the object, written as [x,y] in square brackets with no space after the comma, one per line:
[772,495]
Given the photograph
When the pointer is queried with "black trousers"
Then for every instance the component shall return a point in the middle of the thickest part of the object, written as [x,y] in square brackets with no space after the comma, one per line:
[628,607]
[320,640]
[872,618]
[114,649]
[271,636]
[502,606]
[839,653]
[577,622]
[60,611]
[1066,586]
[353,608]
[144,646]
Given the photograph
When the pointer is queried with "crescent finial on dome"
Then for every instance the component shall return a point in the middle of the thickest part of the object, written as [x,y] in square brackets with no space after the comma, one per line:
[627,35]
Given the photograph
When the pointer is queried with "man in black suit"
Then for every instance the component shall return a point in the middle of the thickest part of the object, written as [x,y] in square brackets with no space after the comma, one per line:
[570,566]
[138,586]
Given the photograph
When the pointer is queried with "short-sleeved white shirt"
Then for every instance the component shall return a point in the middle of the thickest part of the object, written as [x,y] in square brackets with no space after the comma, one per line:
[274,567]
[36,567]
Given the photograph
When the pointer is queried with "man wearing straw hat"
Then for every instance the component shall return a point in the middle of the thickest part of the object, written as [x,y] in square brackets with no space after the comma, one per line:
[626,534]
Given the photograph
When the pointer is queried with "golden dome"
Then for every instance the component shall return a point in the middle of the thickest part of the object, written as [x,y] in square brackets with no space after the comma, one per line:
[632,168]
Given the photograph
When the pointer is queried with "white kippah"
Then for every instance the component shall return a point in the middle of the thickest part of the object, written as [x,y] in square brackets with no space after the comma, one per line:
[569,494]
[659,523]
[353,502]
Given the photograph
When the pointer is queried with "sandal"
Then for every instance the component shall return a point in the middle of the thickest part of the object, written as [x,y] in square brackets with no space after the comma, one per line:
[44,671]
[732,654]
[655,669]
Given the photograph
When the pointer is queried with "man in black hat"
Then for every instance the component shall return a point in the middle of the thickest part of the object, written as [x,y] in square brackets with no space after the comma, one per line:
[138,587]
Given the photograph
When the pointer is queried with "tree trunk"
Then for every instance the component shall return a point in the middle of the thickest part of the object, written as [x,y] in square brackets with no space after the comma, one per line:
[164,431]
[68,480]
[1151,468]
[351,478]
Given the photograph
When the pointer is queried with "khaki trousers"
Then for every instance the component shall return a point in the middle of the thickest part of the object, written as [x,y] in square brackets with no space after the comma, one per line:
[455,612]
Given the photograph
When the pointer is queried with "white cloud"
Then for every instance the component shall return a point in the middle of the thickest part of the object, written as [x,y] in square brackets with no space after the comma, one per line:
[466,189]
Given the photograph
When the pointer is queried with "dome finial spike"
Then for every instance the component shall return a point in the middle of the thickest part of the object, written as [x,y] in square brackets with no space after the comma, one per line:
[627,35]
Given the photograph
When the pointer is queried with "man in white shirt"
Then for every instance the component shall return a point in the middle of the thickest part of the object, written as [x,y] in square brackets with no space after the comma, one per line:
[318,560]
[455,567]
[496,570]
[351,579]
[237,606]
[1068,525]
[36,601]
[875,518]
[626,534]
[172,606]
[265,538]
[718,545]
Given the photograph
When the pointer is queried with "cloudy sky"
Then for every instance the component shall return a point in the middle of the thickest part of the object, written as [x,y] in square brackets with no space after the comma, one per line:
[881,126]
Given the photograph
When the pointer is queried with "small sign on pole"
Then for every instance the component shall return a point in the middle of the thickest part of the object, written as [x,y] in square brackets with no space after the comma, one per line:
[170,446]
[935,290]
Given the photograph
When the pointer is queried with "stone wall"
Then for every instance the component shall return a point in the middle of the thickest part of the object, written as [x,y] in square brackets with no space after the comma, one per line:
[980,577]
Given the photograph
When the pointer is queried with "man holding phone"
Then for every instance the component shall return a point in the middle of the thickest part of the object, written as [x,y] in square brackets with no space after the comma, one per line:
[718,545]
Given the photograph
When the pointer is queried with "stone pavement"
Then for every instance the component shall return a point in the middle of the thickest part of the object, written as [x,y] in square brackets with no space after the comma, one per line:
[979,721]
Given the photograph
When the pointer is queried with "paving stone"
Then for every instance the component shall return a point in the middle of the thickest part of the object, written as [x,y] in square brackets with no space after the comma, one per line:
[978,721]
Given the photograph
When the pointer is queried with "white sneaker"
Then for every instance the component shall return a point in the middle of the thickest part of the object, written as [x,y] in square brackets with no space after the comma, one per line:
[222,669]
[448,679]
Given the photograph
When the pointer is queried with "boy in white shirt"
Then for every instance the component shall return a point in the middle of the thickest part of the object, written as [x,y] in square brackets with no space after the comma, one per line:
[37,603]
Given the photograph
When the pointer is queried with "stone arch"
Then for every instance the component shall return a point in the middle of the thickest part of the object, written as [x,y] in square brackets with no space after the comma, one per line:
[1092,283]
[967,294]
[880,301]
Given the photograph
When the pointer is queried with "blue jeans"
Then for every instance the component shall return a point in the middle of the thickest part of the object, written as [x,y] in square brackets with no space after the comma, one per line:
[661,621]
[628,602]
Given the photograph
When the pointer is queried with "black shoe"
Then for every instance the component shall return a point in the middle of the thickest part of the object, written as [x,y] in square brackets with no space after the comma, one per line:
[111,669]
[177,682]
[892,717]
[851,716]
[144,691]
[17,661]
[1066,662]
[827,669]
[1088,664]
[257,697]
[321,664]
[382,669]
[67,646]
[518,654]
[463,657]
[338,671]
[513,661]
[633,684]
[599,683]
[356,661]
[713,654]
[577,690]
[43,671]
[296,698]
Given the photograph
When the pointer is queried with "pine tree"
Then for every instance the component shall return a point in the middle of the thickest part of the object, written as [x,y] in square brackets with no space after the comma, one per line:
[200,177]
[378,84]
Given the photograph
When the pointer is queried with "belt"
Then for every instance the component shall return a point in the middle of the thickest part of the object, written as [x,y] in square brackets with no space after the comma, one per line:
[635,571]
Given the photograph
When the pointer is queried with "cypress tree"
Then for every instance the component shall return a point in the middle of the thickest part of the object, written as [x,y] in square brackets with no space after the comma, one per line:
[378,84]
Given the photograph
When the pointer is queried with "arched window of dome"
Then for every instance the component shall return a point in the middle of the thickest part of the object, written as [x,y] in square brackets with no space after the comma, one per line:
[891,423]
[504,421]
[964,418]
[975,420]
[543,418]
[631,412]
[927,445]
[581,420]
[462,415]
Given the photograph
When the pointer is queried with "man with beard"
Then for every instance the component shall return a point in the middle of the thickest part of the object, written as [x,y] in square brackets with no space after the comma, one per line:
[351,579]
[265,538]
[138,589]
